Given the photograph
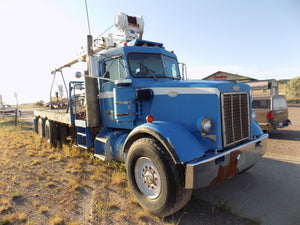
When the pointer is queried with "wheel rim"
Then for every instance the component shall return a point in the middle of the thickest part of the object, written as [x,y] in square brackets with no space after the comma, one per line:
[147,177]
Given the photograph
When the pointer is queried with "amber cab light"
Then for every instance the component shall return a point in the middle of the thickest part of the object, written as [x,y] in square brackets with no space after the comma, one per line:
[149,119]
[270,115]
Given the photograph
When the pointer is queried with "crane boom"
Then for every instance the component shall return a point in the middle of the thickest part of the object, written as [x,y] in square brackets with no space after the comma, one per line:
[81,58]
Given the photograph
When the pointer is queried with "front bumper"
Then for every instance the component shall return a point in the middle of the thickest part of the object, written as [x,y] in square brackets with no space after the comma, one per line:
[214,170]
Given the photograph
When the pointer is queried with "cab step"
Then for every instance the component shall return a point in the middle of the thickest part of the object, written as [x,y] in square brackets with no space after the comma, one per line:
[100,156]
[81,146]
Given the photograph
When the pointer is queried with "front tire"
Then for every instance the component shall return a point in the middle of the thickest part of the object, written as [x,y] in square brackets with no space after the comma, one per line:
[155,180]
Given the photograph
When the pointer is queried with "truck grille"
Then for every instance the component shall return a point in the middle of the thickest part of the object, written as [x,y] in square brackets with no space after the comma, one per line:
[235,117]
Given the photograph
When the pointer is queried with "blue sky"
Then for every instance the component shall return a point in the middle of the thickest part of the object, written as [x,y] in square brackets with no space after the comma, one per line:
[254,38]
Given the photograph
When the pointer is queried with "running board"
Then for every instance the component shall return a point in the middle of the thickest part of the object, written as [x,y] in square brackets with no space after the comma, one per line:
[100,156]
[80,146]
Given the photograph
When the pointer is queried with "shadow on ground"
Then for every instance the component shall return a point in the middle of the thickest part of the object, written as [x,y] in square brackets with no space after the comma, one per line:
[290,135]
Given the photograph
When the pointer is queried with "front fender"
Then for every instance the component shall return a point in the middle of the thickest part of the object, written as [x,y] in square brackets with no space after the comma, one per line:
[178,141]
[256,130]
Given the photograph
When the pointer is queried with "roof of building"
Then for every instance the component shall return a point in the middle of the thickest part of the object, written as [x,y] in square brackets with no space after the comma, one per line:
[221,75]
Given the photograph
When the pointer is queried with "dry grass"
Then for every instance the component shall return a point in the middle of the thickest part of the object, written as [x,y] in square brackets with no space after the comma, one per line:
[5,205]
[119,178]
[74,185]
[61,185]
[43,209]
[57,220]
[142,214]
[22,217]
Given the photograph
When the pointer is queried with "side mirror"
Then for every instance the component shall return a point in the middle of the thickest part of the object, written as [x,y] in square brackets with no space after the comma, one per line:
[78,74]
[123,82]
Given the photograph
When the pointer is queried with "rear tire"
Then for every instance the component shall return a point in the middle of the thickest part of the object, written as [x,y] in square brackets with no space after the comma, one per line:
[154,179]
[51,132]
[41,127]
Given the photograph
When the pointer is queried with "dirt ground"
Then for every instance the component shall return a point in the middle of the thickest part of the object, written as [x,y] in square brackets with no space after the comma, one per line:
[43,185]
[284,144]
[269,191]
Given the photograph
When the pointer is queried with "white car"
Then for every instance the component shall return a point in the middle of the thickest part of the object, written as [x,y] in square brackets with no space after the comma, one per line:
[7,110]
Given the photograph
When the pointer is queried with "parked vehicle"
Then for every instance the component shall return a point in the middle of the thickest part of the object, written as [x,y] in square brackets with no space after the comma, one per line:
[270,108]
[7,110]
[134,106]
[271,111]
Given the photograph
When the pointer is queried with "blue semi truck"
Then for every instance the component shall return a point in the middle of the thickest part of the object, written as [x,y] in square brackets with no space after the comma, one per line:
[134,106]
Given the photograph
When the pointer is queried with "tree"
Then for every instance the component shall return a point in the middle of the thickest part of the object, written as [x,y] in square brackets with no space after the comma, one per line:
[292,88]
[40,103]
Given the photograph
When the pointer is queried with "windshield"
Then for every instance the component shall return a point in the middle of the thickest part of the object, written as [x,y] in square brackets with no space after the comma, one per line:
[145,65]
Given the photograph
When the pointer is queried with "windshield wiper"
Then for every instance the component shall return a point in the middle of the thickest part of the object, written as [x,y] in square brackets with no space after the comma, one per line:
[148,70]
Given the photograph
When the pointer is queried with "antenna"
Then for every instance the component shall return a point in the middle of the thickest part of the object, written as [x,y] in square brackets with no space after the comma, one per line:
[87,15]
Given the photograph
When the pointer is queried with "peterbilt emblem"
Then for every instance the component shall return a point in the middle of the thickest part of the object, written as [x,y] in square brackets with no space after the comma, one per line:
[173,94]
[236,88]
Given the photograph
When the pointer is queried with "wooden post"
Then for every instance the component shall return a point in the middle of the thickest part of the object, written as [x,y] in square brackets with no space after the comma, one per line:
[17,108]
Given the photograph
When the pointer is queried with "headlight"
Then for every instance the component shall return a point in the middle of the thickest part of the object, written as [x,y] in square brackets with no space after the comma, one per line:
[206,124]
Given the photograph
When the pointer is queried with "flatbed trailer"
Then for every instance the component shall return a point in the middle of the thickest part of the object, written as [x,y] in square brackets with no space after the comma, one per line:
[57,115]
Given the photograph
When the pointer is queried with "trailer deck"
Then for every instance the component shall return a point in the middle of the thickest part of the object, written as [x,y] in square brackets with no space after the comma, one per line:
[58,115]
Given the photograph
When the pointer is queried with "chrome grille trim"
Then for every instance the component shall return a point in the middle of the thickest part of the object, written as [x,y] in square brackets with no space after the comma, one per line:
[235,117]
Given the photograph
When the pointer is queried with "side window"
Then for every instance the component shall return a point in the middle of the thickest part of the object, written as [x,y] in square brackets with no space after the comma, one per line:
[171,67]
[114,69]
[261,104]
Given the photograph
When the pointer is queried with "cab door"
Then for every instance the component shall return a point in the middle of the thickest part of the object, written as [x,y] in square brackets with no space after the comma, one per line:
[118,107]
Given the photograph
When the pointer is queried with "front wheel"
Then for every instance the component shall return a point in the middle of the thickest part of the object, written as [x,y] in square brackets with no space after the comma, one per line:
[155,180]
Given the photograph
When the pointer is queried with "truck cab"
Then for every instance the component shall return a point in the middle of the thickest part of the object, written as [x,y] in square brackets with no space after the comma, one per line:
[173,135]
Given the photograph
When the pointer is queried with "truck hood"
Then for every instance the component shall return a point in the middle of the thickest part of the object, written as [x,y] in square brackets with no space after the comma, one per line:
[193,85]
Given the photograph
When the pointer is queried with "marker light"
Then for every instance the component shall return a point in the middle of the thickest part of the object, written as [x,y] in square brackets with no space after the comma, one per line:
[149,119]
[125,43]
[206,125]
